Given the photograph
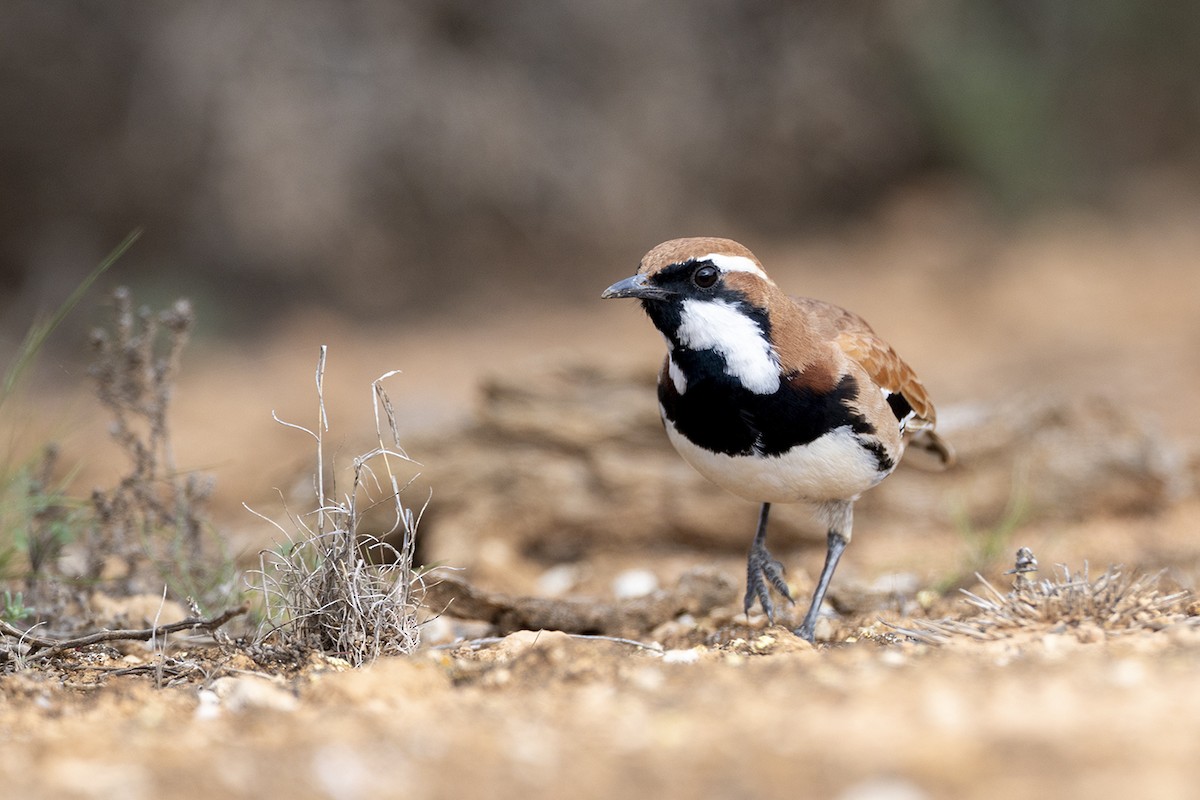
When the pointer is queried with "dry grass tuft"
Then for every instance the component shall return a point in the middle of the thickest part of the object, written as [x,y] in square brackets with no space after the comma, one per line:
[1115,602]
[334,587]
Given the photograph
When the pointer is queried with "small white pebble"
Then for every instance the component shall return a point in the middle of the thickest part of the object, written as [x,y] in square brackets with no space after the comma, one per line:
[343,773]
[634,583]
[245,692]
[437,630]
[210,705]
[1128,673]
[681,656]
[823,629]
[649,679]
[558,580]
[902,583]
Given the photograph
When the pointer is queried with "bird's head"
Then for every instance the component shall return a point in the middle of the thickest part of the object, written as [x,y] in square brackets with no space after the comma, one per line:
[682,273]
[700,268]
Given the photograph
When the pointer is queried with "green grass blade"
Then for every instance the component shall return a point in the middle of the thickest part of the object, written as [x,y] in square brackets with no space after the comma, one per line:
[41,329]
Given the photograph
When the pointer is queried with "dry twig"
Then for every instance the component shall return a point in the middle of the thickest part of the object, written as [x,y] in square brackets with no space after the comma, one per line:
[41,648]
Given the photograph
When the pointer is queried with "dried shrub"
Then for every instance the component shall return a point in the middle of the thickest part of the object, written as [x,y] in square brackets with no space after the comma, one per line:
[333,586]
[151,528]
[1115,602]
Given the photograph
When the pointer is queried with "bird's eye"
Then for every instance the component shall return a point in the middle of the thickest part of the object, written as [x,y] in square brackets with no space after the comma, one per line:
[705,277]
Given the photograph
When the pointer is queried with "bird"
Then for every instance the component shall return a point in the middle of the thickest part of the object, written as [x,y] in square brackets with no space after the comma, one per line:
[776,399]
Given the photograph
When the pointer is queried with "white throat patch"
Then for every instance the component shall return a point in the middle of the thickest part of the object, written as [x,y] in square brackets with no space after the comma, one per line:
[676,375]
[718,325]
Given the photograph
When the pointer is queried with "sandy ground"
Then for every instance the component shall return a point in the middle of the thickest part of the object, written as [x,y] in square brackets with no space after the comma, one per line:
[1081,304]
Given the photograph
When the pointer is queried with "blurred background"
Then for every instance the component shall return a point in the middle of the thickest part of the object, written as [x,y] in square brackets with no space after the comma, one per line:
[400,159]
[1008,190]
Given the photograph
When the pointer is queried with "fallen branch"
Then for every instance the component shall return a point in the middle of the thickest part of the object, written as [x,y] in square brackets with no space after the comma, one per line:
[698,592]
[41,648]
[484,641]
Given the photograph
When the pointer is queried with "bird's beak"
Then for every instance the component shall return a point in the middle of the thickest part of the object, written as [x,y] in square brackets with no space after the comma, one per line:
[635,286]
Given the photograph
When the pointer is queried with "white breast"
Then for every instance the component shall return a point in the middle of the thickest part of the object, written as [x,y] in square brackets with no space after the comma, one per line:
[832,467]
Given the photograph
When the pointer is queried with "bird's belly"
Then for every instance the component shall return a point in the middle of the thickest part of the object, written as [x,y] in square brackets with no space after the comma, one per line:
[834,466]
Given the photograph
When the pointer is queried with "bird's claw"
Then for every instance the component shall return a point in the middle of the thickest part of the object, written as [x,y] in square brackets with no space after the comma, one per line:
[763,569]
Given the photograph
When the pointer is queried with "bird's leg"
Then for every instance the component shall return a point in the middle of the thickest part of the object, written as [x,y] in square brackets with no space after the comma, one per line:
[837,543]
[761,568]
[839,516]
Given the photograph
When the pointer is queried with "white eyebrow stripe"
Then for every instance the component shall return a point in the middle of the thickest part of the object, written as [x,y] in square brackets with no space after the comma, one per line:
[728,263]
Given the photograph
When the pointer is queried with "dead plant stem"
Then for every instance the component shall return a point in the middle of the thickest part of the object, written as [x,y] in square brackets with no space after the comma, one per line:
[42,648]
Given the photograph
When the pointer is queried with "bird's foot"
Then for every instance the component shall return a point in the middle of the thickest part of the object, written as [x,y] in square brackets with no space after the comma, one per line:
[762,569]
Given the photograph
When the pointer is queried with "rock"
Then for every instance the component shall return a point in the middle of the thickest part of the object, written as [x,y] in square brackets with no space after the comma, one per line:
[252,692]
[517,642]
[1058,458]
[136,611]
